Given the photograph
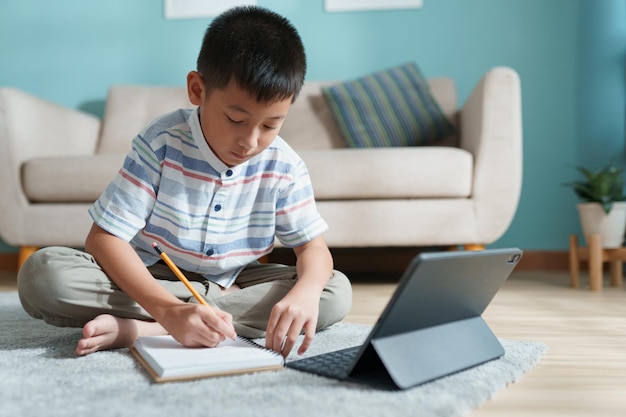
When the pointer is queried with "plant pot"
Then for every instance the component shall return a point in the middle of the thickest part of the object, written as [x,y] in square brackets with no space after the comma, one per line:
[610,227]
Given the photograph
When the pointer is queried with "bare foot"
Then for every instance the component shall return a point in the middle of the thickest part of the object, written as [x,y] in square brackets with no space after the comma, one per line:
[110,332]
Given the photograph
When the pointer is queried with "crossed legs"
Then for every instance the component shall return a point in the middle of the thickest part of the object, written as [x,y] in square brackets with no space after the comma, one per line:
[66,287]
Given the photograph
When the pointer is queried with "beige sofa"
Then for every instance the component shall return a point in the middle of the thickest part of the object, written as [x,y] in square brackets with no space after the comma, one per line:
[55,161]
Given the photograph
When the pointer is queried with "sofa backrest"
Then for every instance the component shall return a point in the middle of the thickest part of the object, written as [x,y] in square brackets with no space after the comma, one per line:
[130,108]
[443,91]
[309,125]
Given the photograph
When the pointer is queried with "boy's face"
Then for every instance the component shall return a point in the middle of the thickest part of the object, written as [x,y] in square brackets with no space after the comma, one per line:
[234,124]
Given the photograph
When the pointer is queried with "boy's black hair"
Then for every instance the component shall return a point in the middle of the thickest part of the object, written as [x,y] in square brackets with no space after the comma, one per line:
[258,49]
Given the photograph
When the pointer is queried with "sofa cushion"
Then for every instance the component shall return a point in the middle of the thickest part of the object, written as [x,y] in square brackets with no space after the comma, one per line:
[393,107]
[390,173]
[312,110]
[71,179]
[337,174]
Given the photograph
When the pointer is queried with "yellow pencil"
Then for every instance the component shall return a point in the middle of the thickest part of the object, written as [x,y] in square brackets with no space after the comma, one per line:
[179,274]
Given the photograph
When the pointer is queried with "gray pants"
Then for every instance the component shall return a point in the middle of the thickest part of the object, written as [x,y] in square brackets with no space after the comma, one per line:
[66,287]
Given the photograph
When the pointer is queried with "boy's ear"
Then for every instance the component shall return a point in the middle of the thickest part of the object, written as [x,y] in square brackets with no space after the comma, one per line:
[195,88]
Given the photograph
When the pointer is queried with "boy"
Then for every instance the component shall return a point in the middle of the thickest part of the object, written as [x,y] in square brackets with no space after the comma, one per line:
[212,186]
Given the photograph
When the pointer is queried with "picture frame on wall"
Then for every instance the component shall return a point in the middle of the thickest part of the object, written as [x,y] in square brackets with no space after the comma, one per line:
[356,5]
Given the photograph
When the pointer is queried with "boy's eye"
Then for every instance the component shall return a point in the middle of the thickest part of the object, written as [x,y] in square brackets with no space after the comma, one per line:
[234,121]
[270,127]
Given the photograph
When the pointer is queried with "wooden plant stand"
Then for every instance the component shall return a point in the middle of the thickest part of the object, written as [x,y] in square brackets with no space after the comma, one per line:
[596,256]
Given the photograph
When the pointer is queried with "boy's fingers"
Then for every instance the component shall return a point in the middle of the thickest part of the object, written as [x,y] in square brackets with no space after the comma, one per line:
[270,331]
[292,337]
[209,339]
[276,334]
[309,333]
[227,330]
[227,324]
[220,323]
[280,332]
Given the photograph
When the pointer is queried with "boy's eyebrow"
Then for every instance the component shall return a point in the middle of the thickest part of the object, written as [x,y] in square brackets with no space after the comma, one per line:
[238,108]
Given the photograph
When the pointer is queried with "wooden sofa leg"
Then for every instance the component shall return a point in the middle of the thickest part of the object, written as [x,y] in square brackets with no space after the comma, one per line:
[469,246]
[24,253]
[473,246]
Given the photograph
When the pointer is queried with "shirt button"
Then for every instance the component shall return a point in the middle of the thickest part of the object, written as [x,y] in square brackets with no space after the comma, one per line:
[210,252]
[217,207]
[229,173]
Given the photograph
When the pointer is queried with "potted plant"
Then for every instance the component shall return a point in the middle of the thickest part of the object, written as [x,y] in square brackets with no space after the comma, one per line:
[603,207]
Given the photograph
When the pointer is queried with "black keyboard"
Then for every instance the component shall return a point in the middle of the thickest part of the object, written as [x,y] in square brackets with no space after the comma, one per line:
[334,364]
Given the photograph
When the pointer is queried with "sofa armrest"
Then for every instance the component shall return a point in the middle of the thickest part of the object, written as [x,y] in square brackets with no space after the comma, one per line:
[32,128]
[491,129]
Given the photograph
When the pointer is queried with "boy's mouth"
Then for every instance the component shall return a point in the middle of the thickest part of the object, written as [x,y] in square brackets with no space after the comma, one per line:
[239,156]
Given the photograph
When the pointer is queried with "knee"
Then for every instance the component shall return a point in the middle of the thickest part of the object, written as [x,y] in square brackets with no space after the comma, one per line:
[336,300]
[43,278]
[38,273]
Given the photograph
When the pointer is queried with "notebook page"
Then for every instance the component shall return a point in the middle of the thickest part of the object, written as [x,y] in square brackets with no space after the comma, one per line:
[169,358]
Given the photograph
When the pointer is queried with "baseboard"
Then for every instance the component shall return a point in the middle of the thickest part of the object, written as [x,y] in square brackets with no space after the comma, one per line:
[393,261]
[8,261]
[379,261]
[544,261]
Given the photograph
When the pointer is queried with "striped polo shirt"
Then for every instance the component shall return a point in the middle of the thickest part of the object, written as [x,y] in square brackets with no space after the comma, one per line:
[211,219]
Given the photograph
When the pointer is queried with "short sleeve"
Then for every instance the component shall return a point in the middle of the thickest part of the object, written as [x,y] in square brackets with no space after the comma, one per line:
[297,218]
[127,202]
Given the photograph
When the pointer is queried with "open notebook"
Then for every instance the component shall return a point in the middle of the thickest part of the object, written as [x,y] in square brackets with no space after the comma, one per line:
[167,360]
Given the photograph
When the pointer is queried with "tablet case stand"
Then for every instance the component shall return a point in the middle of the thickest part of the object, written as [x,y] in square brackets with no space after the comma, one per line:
[412,358]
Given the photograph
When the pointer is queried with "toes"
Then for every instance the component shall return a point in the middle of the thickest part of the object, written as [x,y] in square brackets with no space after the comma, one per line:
[85,347]
[89,329]
[96,335]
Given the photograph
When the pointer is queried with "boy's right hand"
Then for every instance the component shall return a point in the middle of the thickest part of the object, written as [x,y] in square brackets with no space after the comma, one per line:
[191,324]
[196,325]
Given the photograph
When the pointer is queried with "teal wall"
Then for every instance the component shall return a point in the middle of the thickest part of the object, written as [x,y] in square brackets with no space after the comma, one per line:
[569,54]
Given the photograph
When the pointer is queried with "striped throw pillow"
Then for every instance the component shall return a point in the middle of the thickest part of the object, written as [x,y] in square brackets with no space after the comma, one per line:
[389,108]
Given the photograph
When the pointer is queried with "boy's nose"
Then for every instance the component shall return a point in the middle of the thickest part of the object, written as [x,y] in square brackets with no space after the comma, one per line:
[249,140]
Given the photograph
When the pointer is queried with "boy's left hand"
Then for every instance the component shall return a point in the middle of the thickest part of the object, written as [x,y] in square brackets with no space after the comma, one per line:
[297,311]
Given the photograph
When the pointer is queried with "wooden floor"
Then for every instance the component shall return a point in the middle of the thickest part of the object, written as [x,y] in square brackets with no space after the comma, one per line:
[584,370]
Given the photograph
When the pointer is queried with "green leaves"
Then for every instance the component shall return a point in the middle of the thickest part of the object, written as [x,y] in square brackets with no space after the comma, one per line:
[605,186]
